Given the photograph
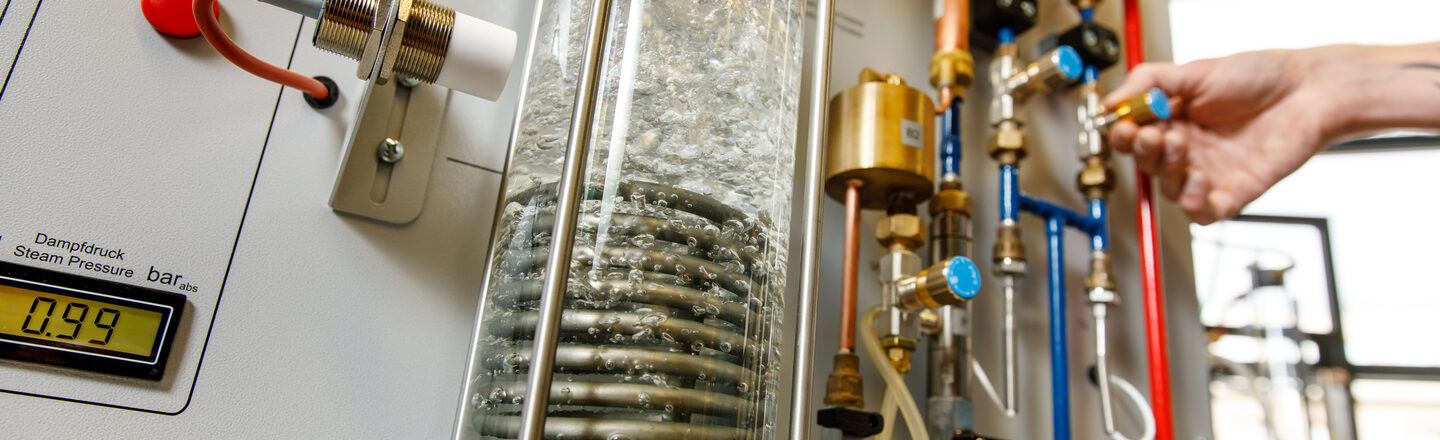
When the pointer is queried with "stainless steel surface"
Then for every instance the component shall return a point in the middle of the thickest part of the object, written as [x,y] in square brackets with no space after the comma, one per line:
[800,399]
[390,150]
[557,266]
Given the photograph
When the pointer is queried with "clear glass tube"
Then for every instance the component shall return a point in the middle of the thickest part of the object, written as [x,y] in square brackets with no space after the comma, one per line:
[671,326]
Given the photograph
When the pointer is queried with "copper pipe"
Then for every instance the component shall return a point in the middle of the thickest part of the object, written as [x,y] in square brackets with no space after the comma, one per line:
[849,284]
[952,32]
[952,29]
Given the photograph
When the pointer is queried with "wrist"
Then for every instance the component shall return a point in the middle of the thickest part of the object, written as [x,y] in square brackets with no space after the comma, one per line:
[1368,89]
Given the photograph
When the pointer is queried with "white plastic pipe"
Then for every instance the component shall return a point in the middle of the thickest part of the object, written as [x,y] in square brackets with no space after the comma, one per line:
[479,57]
[894,384]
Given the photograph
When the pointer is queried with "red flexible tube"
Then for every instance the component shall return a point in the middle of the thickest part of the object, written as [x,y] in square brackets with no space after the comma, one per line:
[1149,235]
[210,27]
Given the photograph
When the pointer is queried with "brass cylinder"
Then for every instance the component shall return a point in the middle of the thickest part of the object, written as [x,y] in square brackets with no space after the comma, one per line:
[881,132]
[345,24]
[1145,108]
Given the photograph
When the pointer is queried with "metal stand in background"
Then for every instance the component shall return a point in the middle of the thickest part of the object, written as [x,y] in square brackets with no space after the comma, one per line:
[800,404]
[557,265]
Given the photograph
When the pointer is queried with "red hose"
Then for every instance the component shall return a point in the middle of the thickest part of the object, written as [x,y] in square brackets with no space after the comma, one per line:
[210,27]
[1149,235]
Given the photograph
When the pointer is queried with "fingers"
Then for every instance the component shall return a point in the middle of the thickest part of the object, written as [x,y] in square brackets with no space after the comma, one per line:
[1149,148]
[1174,166]
[1166,76]
[1122,136]
[1195,200]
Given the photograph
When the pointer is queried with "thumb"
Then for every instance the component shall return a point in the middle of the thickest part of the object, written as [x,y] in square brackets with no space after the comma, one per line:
[1175,80]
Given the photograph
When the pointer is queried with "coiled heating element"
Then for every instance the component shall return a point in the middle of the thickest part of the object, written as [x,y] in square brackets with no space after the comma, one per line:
[671,320]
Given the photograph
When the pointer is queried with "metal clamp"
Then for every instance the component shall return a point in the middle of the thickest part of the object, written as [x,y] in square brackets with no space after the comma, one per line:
[385,170]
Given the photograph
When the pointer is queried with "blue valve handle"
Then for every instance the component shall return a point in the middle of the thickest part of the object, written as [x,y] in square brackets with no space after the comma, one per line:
[963,277]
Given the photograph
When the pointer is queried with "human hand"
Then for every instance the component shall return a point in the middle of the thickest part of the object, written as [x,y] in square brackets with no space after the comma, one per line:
[1241,123]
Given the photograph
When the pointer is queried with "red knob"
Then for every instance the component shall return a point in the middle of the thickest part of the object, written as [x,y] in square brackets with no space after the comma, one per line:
[173,17]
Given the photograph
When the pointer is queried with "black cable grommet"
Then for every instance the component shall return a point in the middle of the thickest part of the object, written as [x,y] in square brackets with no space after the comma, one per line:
[329,100]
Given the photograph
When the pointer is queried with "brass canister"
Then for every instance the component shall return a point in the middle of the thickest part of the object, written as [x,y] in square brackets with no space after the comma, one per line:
[882,133]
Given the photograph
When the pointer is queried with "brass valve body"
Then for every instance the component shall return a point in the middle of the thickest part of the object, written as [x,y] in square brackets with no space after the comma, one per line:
[882,133]
[346,24]
[845,387]
[950,200]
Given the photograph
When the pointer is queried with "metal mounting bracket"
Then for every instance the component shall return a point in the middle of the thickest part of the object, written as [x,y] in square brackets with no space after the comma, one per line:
[391,188]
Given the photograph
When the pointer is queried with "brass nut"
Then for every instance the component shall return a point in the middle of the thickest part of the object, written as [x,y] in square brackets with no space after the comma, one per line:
[1096,179]
[951,200]
[1100,277]
[1007,145]
[1086,4]
[900,350]
[1008,244]
[952,68]
[845,387]
[903,229]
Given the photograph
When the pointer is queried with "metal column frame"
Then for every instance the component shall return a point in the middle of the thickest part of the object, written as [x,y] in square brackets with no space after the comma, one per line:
[557,265]
[800,403]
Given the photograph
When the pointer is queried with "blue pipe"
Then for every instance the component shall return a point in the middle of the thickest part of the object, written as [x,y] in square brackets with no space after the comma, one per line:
[1007,35]
[950,144]
[1091,74]
[1059,356]
[1010,199]
[1044,209]
[1087,14]
[1099,214]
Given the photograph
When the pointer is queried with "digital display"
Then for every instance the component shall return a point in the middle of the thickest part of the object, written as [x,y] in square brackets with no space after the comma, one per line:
[67,321]
[71,321]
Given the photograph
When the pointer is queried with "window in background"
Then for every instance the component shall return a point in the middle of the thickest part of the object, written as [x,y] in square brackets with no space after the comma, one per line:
[1377,202]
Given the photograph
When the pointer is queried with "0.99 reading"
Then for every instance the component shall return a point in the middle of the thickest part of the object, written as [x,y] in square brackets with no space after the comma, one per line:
[43,309]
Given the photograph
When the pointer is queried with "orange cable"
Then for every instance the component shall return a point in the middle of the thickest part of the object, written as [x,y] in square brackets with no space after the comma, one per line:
[222,43]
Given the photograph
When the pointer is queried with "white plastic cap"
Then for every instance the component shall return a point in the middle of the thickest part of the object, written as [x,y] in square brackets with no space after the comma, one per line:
[479,57]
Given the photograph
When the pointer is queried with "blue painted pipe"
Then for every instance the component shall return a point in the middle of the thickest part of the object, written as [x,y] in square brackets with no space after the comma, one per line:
[1099,214]
[1010,198]
[950,142]
[1087,14]
[1091,74]
[1059,356]
[1044,209]
[1007,35]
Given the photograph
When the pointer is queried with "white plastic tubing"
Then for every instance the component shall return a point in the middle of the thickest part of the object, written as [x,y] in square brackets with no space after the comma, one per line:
[894,384]
[1147,415]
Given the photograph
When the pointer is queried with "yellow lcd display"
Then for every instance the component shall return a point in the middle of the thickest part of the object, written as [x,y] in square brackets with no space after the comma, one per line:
[59,320]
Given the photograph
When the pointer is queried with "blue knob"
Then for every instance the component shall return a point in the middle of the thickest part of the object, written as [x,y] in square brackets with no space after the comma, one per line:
[1068,60]
[963,277]
[1159,103]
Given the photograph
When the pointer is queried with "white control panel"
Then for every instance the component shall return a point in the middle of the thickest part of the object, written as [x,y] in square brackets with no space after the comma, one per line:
[153,162]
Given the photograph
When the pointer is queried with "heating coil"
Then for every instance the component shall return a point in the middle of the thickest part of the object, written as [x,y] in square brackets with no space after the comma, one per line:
[667,330]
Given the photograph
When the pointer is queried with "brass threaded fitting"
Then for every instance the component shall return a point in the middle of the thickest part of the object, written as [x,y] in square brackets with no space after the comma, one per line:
[1100,276]
[950,200]
[1007,145]
[1008,244]
[954,69]
[900,350]
[345,25]
[903,229]
[845,387]
[1096,179]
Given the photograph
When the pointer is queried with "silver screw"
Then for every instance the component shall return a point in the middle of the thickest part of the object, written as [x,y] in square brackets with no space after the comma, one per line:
[407,81]
[1028,8]
[391,150]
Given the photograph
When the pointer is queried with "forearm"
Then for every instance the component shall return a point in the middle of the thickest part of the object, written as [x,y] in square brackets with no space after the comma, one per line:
[1376,88]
